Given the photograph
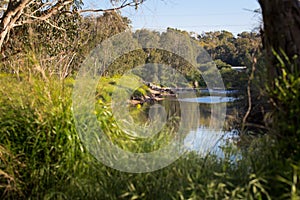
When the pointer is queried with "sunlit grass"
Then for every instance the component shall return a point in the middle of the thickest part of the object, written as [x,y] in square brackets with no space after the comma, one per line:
[42,157]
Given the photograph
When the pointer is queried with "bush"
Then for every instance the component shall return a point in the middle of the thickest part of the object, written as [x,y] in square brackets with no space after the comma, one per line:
[41,156]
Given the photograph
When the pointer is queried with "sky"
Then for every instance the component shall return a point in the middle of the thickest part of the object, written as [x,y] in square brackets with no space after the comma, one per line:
[191,15]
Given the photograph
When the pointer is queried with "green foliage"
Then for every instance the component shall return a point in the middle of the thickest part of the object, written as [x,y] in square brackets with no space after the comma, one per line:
[234,79]
[144,37]
[124,138]
[235,51]
[59,48]
[141,91]
[41,156]
[226,50]
[38,129]
[285,95]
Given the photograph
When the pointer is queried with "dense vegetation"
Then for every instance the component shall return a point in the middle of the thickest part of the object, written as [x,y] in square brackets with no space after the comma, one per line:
[41,155]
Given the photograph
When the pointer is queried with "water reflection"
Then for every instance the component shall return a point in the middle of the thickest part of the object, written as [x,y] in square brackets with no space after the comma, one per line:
[210,99]
[206,141]
[202,138]
[194,120]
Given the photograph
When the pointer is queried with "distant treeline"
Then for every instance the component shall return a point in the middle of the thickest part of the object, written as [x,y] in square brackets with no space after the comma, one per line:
[40,48]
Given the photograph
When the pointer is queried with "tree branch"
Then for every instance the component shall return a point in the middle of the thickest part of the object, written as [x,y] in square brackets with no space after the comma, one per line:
[249,91]
[124,4]
[12,14]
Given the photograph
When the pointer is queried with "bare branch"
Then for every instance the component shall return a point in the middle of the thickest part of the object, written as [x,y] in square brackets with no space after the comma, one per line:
[42,6]
[48,14]
[124,4]
[54,26]
[10,17]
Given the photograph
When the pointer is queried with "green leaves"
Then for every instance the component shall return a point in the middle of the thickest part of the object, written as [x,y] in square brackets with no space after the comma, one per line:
[235,51]
[285,95]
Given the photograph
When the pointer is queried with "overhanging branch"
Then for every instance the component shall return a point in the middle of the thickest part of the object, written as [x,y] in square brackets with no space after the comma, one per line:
[19,13]
[130,4]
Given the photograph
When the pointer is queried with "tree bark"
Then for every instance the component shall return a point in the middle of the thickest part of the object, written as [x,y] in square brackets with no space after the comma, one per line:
[10,16]
[281,33]
[282,36]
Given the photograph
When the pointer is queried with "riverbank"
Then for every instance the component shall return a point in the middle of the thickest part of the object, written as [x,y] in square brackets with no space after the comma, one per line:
[42,156]
[155,93]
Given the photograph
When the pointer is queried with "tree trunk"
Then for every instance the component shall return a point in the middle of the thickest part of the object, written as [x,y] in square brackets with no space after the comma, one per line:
[282,37]
[10,16]
[281,32]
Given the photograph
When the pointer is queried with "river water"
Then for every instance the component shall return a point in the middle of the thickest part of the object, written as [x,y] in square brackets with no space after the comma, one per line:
[204,138]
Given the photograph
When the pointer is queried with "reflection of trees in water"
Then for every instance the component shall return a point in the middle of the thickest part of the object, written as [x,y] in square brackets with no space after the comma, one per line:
[181,119]
[180,116]
[201,138]
[205,114]
[173,108]
[208,113]
[186,112]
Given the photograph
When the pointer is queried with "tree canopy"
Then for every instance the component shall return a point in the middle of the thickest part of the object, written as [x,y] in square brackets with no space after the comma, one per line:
[15,13]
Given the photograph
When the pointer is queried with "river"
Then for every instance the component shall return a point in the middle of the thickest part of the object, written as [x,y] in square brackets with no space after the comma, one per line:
[204,137]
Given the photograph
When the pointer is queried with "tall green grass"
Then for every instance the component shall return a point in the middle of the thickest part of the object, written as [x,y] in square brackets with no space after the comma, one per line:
[41,157]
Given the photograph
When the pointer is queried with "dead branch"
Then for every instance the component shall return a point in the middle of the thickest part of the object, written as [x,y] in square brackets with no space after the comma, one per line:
[130,4]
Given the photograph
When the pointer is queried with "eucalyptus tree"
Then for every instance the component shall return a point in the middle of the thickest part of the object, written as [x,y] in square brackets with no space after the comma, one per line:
[16,13]
[281,19]
[53,36]
[282,45]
